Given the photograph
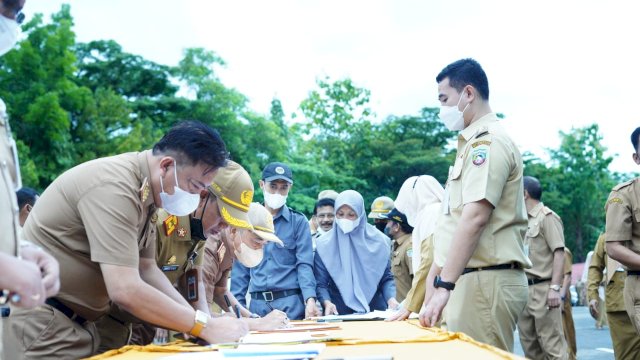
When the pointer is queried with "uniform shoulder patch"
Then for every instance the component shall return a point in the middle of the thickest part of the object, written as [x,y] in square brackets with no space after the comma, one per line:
[615,200]
[624,184]
[480,153]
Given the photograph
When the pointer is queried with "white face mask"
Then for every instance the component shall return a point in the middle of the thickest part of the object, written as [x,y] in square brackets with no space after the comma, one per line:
[274,201]
[452,117]
[247,256]
[9,31]
[181,203]
[346,225]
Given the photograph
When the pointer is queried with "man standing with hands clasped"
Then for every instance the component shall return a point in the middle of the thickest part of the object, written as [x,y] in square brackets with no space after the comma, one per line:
[540,324]
[481,282]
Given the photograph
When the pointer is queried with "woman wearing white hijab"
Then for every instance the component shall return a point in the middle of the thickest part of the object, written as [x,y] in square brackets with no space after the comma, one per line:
[419,199]
[352,263]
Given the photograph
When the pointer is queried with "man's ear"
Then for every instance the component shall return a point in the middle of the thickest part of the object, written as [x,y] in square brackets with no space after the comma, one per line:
[526,195]
[636,158]
[165,164]
[28,208]
[261,184]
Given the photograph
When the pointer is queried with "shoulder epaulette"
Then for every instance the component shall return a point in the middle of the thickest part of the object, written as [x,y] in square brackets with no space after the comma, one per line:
[624,184]
[482,132]
[297,212]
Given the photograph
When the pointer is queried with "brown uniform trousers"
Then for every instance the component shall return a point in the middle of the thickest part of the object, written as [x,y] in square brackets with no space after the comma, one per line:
[626,343]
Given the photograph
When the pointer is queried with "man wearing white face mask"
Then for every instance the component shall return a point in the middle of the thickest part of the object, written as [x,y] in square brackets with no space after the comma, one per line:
[29,275]
[483,218]
[97,220]
[284,279]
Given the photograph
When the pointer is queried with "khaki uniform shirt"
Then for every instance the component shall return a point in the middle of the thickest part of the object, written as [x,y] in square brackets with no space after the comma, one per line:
[401,265]
[97,212]
[543,237]
[174,246]
[568,261]
[218,260]
[614,283]
[488,166]
[9,172]
[415,296]
[623,215]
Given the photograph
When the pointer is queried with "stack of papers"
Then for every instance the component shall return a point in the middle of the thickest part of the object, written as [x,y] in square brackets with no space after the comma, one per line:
[252,352]
[374,315]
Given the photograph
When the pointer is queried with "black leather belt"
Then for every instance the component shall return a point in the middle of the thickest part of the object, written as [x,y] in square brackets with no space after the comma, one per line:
[274,295]
[633,272]
[66,310]
[494,267]
[537,281]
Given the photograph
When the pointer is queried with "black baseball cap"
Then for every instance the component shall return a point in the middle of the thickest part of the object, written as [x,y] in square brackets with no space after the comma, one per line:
[396,216]
[277,171]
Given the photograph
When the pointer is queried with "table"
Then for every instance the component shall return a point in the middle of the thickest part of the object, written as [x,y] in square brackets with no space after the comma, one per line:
[403,340]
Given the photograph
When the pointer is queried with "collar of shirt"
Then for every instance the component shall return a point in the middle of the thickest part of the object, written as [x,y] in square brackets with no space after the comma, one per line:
[284,212]
[473,128]
[143,164]
[536,209]
[402,239]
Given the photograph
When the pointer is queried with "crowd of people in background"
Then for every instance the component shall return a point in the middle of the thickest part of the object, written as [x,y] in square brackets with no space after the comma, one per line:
[117,250]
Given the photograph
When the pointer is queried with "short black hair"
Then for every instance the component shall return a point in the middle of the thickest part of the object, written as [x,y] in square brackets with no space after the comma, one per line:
[26,195]
[192,143]
[466,72]
[324,202]
[634,138]
[532,185]
[408,229]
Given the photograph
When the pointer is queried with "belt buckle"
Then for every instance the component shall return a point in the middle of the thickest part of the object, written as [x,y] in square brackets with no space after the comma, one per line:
[269,297]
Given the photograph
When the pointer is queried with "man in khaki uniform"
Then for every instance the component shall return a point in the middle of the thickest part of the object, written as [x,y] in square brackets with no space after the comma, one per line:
[626,343]
[622,234]
[380,206]
[180,249]
[540,324]
[567,309]
[483,218]
[96,220]
[29,275]
[245,245]
[400,232]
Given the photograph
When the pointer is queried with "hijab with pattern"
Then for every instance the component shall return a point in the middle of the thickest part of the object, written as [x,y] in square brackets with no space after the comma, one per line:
[419,199]
[356,261]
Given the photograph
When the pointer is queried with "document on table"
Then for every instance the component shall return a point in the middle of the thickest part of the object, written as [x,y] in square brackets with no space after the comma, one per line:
[250,352]
[374,315]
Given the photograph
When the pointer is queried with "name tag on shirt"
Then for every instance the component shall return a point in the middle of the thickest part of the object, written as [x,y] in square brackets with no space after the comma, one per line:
[170,267]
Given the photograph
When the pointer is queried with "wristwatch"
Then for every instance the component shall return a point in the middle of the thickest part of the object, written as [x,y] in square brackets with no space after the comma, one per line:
[438,283]
[200,323]
[555,287]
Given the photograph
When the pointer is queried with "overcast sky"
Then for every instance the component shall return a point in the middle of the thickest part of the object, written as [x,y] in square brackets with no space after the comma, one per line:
[552,65]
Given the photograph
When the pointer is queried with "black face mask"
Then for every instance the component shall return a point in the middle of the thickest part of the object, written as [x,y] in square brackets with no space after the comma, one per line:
[197,231]
[380,225]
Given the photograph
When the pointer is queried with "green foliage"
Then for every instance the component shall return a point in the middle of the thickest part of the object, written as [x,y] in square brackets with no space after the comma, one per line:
[72,102]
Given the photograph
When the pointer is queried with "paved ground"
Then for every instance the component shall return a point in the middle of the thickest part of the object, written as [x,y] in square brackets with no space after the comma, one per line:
[593,344]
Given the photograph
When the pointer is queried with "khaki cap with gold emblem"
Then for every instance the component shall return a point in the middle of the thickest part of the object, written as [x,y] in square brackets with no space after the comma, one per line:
[262,222]
[327,194]
[381,205]
[233,188]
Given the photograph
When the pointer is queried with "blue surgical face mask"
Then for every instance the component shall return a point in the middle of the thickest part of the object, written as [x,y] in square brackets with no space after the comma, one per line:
[180,203]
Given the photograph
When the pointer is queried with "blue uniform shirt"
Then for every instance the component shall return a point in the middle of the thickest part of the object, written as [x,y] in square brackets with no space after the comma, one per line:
[327,289]
[282,268]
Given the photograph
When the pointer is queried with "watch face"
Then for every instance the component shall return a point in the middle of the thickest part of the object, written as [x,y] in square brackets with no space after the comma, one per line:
[201,317]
